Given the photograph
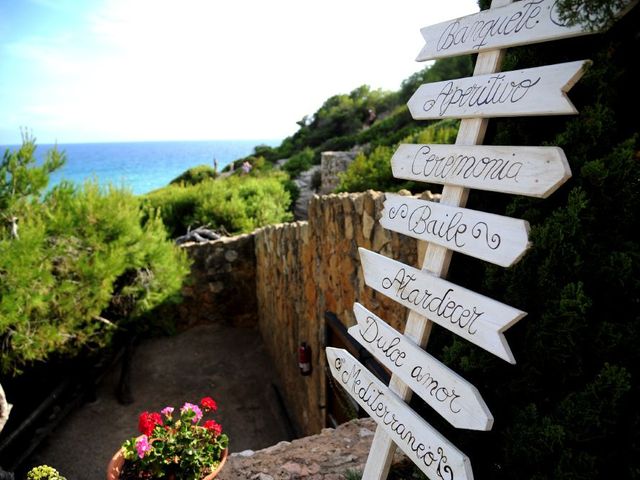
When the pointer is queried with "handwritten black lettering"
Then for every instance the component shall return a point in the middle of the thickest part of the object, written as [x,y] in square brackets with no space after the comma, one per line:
[450,228]
[432,386]
[371,396]
[480,31]
[427,301]
[450,167]
[389,348]
[497,90]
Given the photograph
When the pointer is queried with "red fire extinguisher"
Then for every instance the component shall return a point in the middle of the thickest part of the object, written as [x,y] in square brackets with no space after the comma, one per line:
[304,359]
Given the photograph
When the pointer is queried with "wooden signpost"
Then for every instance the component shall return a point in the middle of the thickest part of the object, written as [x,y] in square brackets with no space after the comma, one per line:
[474,317]
[534,91]
[427,448]
[444,390]
[530,171]
[494,238]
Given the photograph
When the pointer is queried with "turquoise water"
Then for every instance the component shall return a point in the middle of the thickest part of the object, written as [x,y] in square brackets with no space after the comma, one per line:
[144,166]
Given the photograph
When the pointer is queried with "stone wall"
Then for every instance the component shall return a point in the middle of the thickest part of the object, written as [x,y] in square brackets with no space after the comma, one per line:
[284,278]
[331,164]
[304,269]
[221,286]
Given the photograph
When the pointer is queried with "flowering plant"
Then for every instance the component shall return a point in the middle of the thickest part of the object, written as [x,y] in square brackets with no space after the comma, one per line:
[175,444]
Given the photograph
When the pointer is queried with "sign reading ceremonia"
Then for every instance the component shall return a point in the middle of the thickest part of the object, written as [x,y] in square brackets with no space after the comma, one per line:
[444,390]
[534,91]
[494,238]
[530,171]
[425,446]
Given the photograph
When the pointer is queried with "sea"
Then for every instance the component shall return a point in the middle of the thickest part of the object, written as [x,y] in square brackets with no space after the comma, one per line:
[142,166]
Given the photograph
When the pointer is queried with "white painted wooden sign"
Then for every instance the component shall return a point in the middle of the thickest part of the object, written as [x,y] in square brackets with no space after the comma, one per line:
[444,390]
[525,22]
[424,445]
[474,317]
[531,171]
[534,91]
[494,238]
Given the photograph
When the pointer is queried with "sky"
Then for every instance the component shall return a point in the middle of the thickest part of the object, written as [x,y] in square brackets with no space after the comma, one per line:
[135,70]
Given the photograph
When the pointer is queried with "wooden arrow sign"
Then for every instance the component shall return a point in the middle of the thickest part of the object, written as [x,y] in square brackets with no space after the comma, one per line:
[531,171]
[520,23]
[494,238]
[424,445]
[534,91]
[443,389]
[477,318]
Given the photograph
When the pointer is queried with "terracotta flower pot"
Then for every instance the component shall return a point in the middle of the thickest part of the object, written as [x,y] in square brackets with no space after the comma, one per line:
[117,462]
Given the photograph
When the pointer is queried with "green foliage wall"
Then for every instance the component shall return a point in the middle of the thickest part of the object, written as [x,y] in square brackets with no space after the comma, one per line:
[568,408]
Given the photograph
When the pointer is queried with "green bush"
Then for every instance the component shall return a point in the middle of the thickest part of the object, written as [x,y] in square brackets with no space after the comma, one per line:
[299,162]
[373,171]
[238,203]
[195,175]
[82,266]
[368,171]
[44,472]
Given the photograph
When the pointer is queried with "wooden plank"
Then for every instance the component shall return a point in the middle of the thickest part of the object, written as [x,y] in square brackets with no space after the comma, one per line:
[474,317]
[529,92]
[495,238]
[530,171]
[458,401]
[525,22]
[425,446]
[435,260]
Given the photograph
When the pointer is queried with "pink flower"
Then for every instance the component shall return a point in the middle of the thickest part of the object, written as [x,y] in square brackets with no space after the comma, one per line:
[142,445]
[194,408]
[208,403]
[167,411]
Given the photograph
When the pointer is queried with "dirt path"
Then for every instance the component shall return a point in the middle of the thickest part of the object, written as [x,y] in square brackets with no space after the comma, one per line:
[224,362]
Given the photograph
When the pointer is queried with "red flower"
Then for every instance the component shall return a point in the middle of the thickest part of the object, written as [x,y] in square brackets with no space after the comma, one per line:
[209,403]
[212,426]
[147,421]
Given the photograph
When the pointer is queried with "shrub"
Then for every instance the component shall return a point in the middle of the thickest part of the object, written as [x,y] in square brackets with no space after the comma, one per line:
[82,266]
[368,171]
[373,171]
[299,162]
[44,472]
[195,175]
[238,204]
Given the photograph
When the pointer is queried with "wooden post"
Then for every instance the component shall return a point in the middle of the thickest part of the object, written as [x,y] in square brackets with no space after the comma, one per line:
[436,261]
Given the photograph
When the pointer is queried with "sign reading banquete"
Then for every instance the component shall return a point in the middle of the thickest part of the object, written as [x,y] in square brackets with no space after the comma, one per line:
[534,91]
[427,448]
[531,171]
[477,318]
[494,238]
[525,22]
[443,389]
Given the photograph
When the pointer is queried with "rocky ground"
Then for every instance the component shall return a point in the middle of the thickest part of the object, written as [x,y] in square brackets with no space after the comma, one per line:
[329,455]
